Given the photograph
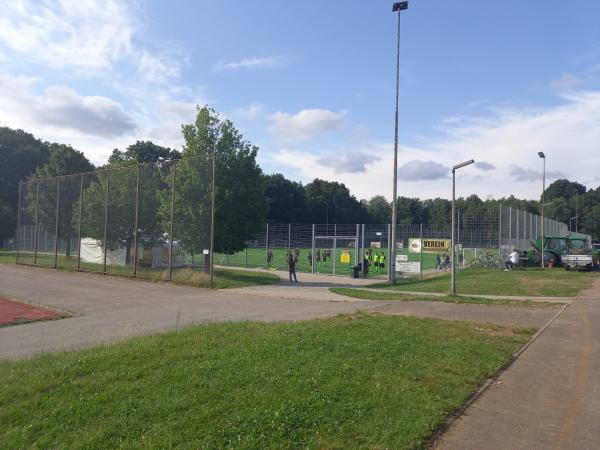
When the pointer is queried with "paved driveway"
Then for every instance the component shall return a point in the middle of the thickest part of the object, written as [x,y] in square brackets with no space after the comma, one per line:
[108,308]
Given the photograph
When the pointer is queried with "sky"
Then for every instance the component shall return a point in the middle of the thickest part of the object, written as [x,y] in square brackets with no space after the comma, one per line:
[312,84]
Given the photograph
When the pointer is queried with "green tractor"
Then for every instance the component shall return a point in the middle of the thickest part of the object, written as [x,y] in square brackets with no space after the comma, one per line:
[570,252]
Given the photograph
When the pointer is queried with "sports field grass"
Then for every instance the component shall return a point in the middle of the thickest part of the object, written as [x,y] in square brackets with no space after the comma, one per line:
[224,278]
[359,381]
[257,258]
[535,282]
[391,295]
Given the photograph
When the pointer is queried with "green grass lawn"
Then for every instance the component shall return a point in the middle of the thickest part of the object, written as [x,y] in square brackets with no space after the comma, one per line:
[360,381]
[257,257]
[391,295]
[224,278]
[555,282]
[8,257]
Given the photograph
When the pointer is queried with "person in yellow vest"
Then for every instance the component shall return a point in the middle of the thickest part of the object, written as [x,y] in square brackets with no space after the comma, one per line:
[376,261]
[382,261]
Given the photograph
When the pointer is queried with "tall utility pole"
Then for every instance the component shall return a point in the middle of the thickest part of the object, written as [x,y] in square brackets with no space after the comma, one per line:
[543,156]
[396,7]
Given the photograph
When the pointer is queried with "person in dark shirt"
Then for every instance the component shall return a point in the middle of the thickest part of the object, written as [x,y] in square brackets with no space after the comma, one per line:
[292,266]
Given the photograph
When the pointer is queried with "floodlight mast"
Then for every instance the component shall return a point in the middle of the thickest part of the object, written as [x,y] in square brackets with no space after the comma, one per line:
[396,7]
[453,240]
[543,156]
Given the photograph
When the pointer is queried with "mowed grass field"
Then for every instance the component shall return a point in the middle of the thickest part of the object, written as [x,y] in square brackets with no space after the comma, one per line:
[257,258]
[534,282]
[224,278]
[356,381]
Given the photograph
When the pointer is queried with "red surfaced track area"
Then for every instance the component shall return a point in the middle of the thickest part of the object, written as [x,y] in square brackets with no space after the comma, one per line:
[12,311]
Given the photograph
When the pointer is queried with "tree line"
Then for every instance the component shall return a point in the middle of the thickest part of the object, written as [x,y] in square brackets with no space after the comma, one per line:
[246,198]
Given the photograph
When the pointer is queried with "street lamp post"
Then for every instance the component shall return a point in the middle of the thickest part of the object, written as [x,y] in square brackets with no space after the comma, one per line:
[396,7]
[543,156]
[453,240]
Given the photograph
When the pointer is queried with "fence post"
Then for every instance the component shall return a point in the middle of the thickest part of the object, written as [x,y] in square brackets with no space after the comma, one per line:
[510,226]
[17,240]
[517,243]
[267,245]
[135,220]
[500,231]
[56,223]
[289,236]
[420,252]
[172,216]
[79,223]
[362,249]
[314,245]
[334,247]
[390,243]
[37,201]
[212,219]
[458,227]
[530,226]
[106,220]
[356,252]
[246,257]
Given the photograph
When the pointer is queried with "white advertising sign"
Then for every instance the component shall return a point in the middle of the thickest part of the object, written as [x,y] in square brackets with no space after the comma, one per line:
[401,258]
[408,267]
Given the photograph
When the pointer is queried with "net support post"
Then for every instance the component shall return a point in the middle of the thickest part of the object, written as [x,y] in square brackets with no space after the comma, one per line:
[56,223]
[79,219]
[172,212]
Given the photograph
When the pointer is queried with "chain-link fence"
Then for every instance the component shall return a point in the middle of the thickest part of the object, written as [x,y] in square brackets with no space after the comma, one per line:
[146,220]
[154,220]
[485,238]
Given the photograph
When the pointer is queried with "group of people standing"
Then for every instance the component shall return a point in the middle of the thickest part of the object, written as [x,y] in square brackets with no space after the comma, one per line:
[372,259]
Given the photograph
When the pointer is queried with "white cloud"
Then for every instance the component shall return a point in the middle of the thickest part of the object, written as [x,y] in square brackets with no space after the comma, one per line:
[60,107]
[250,112]
[521,174]
[485,166]
[306,124]
[89,37]
[569,134]
[566,81]
[416,170]
[93,124]
[348,162]
[250,63]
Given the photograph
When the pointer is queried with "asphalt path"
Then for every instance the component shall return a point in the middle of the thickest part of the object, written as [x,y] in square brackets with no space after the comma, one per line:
[549,398]
[109,308]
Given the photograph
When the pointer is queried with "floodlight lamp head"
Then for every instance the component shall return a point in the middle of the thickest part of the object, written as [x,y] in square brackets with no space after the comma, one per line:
[541,155]
[399,6]
[463,164]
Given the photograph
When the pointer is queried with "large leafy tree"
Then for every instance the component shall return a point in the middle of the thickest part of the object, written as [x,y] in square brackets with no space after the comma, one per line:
[563,188]
[286,200]
[20,154]
[379,210]
[63,160]
[145,152]
[331,202]
[240,206]
[121,175]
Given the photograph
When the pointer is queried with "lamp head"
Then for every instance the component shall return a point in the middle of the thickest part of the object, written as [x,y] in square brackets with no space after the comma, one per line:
[399,6]
[463,164]
[541,155]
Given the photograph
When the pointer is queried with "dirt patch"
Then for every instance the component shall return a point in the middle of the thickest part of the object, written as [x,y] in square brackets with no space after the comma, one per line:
[497,330]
